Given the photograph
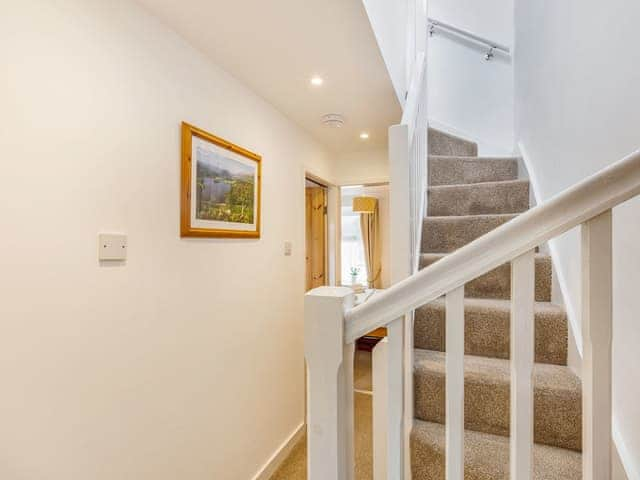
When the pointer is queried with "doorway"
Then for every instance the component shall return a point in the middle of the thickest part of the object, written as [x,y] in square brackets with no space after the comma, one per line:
[353,268]
[316,233]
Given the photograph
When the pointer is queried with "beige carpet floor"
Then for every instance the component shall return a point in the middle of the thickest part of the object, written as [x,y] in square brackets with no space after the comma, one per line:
[294,466]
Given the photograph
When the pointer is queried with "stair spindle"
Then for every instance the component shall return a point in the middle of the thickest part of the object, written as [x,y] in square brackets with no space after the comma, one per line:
[455,384]
[388,427]
[596,333]
[522,359]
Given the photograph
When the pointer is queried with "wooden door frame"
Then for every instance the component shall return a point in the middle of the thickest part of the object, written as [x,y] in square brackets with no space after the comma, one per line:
[332,218]
[315,235]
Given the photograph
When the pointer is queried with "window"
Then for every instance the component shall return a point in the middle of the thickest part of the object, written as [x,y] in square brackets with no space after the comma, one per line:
[352,251]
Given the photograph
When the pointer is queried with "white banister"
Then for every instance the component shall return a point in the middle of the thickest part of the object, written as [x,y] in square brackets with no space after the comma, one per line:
[388,432]
[596,331]
[454,365]
[522,359]
[329,384]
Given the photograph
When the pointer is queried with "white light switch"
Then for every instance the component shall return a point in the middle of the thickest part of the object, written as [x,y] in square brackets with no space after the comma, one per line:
[112,246]
[287,249]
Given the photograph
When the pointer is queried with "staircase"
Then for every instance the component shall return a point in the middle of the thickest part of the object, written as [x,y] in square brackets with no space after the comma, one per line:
[509,407]
[468,197]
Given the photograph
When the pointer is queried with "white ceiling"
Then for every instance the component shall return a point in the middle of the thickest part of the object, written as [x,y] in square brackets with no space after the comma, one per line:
[276,46]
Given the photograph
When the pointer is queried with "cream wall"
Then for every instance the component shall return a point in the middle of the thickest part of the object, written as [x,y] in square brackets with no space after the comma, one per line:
[577,111]
[187,362]
[357,168]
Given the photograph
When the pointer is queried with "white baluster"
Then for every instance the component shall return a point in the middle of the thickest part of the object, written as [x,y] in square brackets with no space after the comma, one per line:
[346,414]
[388,431]
[596,335]
[522,359]
[329,384]
[380,387]
[408,395]
[455,384]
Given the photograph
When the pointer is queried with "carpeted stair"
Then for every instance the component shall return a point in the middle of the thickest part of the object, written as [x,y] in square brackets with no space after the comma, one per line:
[468,197]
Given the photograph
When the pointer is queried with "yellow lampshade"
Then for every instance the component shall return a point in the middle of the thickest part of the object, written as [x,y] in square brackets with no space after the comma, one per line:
[364,204]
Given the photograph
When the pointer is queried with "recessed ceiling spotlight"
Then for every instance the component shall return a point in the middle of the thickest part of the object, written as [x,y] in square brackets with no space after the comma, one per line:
[364,135]
[316,81]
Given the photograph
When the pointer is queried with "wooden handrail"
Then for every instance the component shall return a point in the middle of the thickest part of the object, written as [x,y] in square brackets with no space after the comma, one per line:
[585,200]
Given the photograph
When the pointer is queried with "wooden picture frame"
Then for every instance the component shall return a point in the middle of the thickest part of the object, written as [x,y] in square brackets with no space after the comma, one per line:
[220,194]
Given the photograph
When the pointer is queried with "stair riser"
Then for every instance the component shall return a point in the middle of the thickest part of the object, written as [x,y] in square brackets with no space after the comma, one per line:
[487,333]
[460,170]
[497,282]
[441,143]
[446,234]
[479,199]
[557,414]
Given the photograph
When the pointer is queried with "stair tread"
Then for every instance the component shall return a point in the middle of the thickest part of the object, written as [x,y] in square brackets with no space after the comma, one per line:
[433,257]
[486,456]
[445,143]
[474,158]
[504,305]
[506,216]
[479,185]
[557,397]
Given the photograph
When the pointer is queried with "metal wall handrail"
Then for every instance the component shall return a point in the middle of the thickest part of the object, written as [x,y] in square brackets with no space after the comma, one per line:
[438,25]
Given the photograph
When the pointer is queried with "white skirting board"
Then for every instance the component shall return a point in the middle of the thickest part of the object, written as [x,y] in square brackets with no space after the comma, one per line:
[280,454]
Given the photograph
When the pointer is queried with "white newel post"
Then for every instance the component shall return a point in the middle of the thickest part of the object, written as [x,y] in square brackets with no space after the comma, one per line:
[329,384]
[596,334]
[399,202]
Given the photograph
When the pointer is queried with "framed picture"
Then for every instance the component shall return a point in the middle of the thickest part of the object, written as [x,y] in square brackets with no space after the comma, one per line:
[220,192]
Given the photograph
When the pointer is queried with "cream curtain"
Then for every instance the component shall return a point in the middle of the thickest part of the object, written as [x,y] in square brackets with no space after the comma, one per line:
[369,225]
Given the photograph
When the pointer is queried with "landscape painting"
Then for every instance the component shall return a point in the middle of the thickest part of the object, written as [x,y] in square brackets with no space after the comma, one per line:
[222,183]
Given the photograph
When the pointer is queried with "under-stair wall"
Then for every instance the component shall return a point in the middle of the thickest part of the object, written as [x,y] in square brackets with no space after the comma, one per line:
[577,111]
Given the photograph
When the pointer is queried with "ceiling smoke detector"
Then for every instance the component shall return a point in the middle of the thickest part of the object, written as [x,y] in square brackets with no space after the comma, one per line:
[333,120]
